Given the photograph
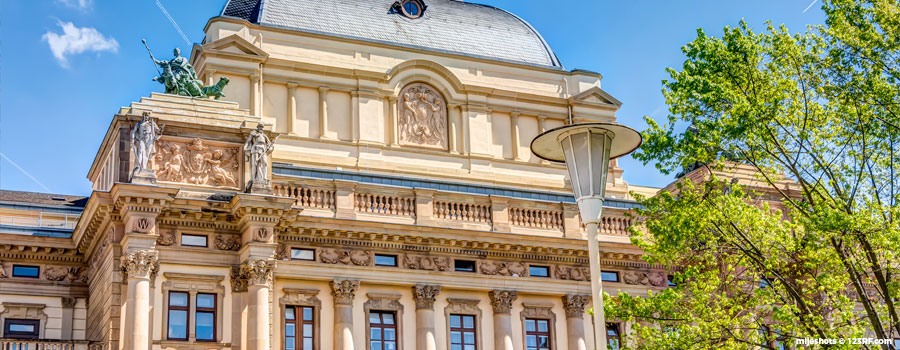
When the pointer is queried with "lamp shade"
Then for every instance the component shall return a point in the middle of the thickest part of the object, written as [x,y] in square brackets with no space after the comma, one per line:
[586,149]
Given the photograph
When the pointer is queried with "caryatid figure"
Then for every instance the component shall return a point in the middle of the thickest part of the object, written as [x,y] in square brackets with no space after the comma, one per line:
[143,141]
[256,151]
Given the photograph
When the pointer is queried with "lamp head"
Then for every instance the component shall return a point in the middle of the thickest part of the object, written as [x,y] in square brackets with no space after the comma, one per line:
[586,149]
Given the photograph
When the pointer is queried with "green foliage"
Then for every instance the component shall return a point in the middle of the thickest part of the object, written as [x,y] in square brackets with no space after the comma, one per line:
[813,249]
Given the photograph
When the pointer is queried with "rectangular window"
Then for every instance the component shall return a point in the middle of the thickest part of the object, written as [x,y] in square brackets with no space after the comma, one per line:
[613,336]
[205,317]
[670,280]
[193,240]
[462,332]
[179,304]
[382,330]
[539,271]
[26,271]
[299,328]
[22,329]
[537,334]
[303,254]
[464,265]
[385,260]
[609,276]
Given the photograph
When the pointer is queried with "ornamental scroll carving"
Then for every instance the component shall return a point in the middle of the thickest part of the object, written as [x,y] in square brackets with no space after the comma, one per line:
[425,294]
[427,263]
[66,274]
[227,242]
[346,257]
[198,163]
[656,279]
[574,305]
[258,271]
[501,300]
[344,291]
[139,263]
[573,273]
[515,269]
[423,116]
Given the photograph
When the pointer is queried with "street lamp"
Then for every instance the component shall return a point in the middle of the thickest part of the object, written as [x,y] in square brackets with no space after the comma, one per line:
[586,149]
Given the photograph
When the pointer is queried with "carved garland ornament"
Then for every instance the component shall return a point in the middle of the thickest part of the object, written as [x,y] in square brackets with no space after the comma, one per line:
[516,269]
[422,116]
[196,163]
[346,257]
[427,263]
[227,242]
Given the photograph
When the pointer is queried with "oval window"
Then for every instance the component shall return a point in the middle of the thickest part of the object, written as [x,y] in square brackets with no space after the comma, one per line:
[411,8]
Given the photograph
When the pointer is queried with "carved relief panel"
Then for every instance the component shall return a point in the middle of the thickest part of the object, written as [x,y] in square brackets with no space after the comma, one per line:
[198,162]
[422,116]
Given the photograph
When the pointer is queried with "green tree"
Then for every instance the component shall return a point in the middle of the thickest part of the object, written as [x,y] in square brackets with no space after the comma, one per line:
[817,116]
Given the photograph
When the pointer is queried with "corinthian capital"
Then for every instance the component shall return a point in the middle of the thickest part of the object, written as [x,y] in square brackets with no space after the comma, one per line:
[425,295]
[501,300]
[140,263]
[574,305]
[258,271]
[343,291]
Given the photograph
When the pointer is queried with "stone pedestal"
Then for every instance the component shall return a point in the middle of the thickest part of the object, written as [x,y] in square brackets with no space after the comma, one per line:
[343,292]
[574,305]
[143,176]
[425,296]
[501,302]
[258,187]
[138,266]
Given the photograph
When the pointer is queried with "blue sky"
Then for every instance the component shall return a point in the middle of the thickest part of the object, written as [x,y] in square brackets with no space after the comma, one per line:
[66,66]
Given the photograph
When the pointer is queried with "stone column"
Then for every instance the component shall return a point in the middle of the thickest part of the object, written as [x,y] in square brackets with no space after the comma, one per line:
[453,113]
[258,273]
[514,134]
[542,126]
[291,108]
[323,112]
[68,319]
[138,266]
[395,124]
[254,94]
[574,305]
[343,292]
[425,295]
[354,116]
[501,302]
[238,298]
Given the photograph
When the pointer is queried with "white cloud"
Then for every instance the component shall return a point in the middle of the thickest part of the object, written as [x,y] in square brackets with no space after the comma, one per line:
[78,4]
[75,40]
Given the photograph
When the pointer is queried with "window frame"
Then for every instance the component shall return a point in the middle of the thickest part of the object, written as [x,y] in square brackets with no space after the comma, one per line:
[298,323]
[615,273]
[37,274]
[618,336]
[291,256]
[463,330]
[187,311]
[22,335]
[545,267]
[393,256]
[457,269]
[213,310]
[205,240]
[538,334]
[419,5]
[382,326]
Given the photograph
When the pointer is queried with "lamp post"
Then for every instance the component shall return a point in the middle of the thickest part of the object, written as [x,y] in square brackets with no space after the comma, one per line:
[586,149]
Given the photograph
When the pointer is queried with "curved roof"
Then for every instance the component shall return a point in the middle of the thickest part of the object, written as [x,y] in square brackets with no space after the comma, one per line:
[450,26]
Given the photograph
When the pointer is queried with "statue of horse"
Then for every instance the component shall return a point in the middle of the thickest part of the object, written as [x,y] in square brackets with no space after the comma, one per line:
[215,91]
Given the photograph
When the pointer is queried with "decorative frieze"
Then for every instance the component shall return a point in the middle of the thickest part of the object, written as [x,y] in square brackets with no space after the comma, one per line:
[574,304]
[300,297]
[227,242]
[501,300]
[197,162]
[424,294]
[344,291]
[66,274]
[500,268]
[574,273]
[345,256]
[140,263]
[427,263]
[238,280]
[166,237]
[656,279]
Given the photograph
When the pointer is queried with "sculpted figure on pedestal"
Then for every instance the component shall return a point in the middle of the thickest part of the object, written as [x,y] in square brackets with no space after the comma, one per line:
[143,143]
[256,152]
[179,77]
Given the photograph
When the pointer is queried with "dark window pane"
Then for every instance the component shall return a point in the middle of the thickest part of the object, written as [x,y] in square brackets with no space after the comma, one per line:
[303,254]
[385,260]
[464,265]
[607,276]
[205,324]
[178,299]
[26,271]
[543,341]
[206,301]
[539,271]
[177,324]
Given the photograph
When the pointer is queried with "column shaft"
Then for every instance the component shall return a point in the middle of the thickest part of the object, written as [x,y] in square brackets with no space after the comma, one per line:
[343,327]
[139,307]
[575,326]
[258,318]
[425,330]
[502,332]
[323,112]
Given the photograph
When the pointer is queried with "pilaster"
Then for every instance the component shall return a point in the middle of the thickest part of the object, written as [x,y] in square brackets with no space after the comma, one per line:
[500,214]
[323,112]
[343,199]
[424,206]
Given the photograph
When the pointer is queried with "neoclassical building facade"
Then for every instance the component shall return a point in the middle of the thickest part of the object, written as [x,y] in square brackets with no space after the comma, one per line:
[365,183]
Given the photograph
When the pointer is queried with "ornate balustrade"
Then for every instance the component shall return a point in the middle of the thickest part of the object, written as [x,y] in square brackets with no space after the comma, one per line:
[614,225]
[307,197]
[470,212]
[384,204]
[536,218]
[24,344]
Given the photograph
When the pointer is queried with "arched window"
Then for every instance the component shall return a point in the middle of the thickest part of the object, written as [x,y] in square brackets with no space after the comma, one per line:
[412,8]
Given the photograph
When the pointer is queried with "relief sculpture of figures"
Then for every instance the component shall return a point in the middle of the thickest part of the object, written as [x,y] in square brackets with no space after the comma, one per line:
[423,116]
[196,162]
[256,152]
[143,145]
[179,77]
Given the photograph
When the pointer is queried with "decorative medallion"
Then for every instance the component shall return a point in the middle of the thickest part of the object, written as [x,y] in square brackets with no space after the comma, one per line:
[197,162]
[423,116]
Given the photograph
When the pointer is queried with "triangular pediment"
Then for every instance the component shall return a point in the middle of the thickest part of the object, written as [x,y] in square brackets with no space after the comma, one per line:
[596,96]
[235,45]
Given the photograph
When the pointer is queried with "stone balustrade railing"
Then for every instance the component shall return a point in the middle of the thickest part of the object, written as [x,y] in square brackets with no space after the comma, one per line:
[470,212]
[347,199]
[384,204]
[306,197]
[23,344]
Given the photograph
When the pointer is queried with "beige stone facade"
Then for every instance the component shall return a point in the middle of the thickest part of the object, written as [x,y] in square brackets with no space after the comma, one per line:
[402,184]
